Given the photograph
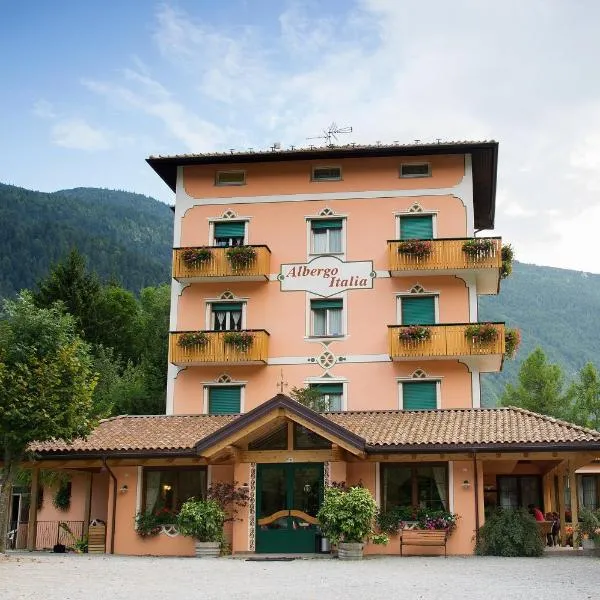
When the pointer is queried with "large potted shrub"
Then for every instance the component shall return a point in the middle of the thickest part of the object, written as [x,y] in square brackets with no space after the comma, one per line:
[203,520]
[587,531]
[510,532]
[346,518]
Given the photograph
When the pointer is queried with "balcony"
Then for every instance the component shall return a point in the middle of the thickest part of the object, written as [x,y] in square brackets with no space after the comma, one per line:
[451,342]
[192,348]
[213,264]
[447,257]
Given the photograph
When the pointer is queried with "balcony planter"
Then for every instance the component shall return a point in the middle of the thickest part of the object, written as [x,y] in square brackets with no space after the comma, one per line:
[240,340]
[508,255]
[414,333]
[417,248]
[192,339]
[481,333]
[478,247]
[195,257]
[241,257]
[512,339]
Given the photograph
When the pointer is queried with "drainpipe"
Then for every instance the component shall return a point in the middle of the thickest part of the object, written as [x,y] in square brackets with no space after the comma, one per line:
[476,485]
[114,506]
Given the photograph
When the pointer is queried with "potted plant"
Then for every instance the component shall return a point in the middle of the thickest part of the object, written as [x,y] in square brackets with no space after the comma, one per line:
[240,340]
[346,518]
[192,338]
[507,254]
[587,531]
[418,248]
[481,333]
[478,247]
[512,339]
[194,257]
[398,517]
[414,333]
[241,257]
[203,520]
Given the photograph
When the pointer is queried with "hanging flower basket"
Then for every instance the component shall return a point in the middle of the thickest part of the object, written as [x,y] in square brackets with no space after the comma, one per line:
[478,247]
[418,248]
[508,255]
[194,257]
[512,339]
[241,257]
[481,333]
[240,340]
[191,339]
[414,333]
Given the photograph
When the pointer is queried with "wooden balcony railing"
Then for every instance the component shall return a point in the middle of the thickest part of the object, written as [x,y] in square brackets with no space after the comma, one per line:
[445,254]
[446,341]
[215,350]
[218,265]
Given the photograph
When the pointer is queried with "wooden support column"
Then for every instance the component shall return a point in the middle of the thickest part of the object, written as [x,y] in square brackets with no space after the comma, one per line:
[547,484]
[87,504]
[561,507]
[574,499]
[32,525]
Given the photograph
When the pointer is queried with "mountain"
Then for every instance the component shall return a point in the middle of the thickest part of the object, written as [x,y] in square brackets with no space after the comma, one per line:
[124,236]
[127,237]
[556,309]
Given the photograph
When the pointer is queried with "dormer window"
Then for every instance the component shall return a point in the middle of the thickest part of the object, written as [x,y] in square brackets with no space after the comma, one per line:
[327,174]
[415,170]
[230,178]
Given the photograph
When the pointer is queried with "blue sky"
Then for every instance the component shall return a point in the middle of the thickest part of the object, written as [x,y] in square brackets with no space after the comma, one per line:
[91,88]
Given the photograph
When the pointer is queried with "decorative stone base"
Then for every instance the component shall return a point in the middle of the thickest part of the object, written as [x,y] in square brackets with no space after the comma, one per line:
[347,551]
[208,549]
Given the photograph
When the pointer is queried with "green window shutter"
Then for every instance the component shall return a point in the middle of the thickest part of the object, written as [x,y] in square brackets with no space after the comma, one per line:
[421,395]
[326,224]
[333,303]
[230,229]
[226,306]
[416,228]
[224,400]
[418,311]
[329,388]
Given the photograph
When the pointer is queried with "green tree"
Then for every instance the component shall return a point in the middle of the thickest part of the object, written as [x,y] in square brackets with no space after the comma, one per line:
[540,387]
[585,391]
[310,397]
[46,385]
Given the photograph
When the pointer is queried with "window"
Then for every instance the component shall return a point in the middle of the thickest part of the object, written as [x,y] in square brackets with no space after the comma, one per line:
[417,310]
[519,491]
[306,439]
[419,395]
[331,394]
[327,317]
[327,174]
[229,233]
[589,487]
[412,485]
[415,170]
[224,400]
[277,439]
[230,178]
[170,488]
[226,316]
[416,228]
[326,236]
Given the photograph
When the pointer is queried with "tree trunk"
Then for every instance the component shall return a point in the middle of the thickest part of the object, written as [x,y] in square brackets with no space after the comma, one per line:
[9,472]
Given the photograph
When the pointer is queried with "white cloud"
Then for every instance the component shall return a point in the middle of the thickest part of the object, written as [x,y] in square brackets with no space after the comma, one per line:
[77,134]
[44,110]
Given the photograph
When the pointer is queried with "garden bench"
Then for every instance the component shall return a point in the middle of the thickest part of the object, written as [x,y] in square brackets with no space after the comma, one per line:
[423,537]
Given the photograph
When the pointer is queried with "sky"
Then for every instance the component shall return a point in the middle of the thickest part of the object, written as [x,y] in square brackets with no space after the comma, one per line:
[90,88]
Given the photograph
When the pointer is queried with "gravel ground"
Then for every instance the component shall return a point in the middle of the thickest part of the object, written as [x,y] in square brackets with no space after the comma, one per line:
[83,577]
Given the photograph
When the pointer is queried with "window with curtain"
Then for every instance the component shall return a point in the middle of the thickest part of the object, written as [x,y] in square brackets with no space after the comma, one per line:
[331,393]
[326,236]
[226,316]
[423,486]
[589,489]
[327,317]
[229,233]
[170,488]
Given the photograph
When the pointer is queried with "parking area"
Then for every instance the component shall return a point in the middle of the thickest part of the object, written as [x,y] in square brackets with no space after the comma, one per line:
[78,577]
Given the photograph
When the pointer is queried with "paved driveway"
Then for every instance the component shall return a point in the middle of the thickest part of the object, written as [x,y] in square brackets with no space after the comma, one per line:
[83,577]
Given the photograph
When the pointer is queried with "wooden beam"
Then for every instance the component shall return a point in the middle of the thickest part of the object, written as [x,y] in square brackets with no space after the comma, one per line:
[403,458]
[82,465]
[282,456]
[561,511]
[32,524]
[87,504]
[574,499]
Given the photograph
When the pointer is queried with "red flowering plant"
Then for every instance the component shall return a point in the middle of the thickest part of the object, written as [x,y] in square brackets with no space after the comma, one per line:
[150,523]
[414,333]
[512,339]
[399,517]
[417,248]
[194,257]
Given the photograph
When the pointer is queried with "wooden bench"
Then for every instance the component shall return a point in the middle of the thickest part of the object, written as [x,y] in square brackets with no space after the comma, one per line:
[423,537]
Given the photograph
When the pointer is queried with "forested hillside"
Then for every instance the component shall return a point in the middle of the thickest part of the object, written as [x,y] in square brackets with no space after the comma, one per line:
[124,236]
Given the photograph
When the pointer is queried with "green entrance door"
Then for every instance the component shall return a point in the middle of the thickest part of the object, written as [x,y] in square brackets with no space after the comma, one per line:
[288,497]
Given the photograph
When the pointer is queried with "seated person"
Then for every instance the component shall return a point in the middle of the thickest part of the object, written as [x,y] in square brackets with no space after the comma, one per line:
[537,514]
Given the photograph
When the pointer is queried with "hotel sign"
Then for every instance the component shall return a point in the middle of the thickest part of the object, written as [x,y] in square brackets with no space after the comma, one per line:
[326,276]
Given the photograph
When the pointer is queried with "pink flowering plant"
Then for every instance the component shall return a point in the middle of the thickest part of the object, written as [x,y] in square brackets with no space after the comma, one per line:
[194,257]
[414,333]
[417,248]
[398,517]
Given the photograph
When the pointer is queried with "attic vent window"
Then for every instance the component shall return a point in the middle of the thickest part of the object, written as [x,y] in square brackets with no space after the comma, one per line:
[230,178]
[415,170]
[327,174]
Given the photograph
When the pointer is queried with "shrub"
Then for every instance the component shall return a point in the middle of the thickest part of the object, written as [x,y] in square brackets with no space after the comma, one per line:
[415,247]
[201,519]
[510,532]
[507,261]
[588,526]
[192,338]
[62,497]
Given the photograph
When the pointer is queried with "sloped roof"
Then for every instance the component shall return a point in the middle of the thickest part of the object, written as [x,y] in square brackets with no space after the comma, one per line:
[395,431]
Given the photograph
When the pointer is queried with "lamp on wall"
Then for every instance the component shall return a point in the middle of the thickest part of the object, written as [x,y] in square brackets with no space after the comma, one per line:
[466,484]
[123,489]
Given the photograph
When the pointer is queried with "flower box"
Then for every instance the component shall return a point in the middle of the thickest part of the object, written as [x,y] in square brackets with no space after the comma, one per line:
[241,257]
[418,248]
[240,340]
[481,333]
[192,339]
[414,333]
[194,257]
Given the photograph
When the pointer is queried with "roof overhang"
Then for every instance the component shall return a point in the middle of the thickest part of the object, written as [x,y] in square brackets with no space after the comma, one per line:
[484,160]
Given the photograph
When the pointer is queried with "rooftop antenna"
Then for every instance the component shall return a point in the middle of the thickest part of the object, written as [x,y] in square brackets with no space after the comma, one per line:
[330,133]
